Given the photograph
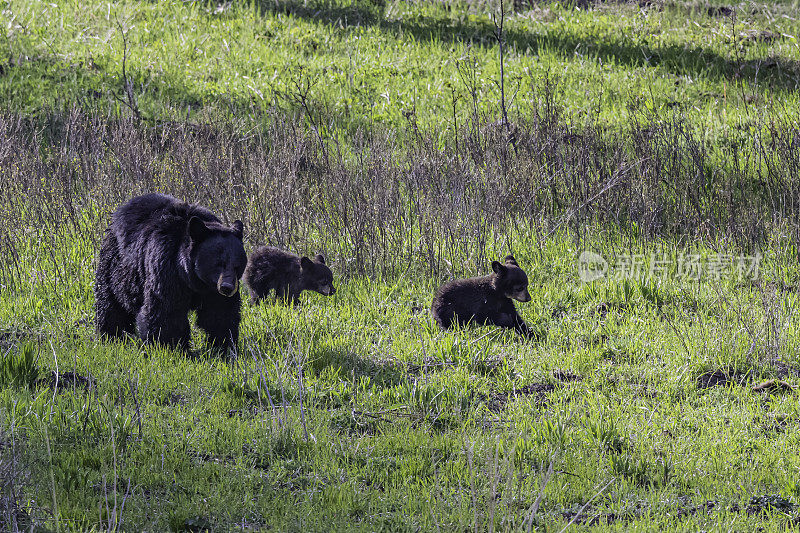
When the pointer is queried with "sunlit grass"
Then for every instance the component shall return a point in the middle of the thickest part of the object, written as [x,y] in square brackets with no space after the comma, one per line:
[356,411]
[359,63]
[633,409]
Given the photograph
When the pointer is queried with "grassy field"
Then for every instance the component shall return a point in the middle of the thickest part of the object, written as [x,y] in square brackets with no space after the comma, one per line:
[353,412]
[650,399]
[350,64]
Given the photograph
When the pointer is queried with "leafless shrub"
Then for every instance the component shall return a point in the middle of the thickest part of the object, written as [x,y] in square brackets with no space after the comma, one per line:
[380,206]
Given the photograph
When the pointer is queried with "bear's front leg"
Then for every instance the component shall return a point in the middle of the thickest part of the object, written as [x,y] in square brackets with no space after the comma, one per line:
[509,318]
[522,328]
[165,324]
[287,295]
[255,299]
[111,319]
[219,317]
[294,298]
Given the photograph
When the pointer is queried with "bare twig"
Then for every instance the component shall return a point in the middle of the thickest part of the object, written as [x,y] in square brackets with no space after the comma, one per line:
[585,505]
[538,501]
[127,85]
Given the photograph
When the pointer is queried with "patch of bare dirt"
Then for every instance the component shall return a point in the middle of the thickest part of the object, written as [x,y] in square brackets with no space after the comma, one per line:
[784,369]
[67,380]
[720,378]
[763,36]
[566,375]
[429,364]
[719,11]
[174,398]
[498,401]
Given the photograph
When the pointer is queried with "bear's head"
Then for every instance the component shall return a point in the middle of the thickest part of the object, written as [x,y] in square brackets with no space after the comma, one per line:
[511,280]
[316,275]
[217,254]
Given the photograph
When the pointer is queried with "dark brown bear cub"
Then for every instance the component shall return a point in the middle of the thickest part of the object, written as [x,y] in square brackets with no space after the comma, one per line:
[287,274]
[484,300]
[161,258]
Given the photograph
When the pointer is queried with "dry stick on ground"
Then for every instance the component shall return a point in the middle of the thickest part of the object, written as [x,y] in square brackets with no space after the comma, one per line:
[300,390]
[302,408]
[454,98]
[115,514]
[538,501]
[263,384]
[585,505]
[470,449]
[136,404]
[508,492]
[495,481]
[436,491]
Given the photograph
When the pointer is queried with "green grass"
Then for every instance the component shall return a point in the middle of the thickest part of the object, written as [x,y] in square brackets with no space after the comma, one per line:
[355,413]
[632,410]
[362,63]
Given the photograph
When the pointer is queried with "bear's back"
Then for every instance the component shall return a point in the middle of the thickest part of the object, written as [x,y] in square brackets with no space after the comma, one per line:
[143,217]
[465,295]
[271,261]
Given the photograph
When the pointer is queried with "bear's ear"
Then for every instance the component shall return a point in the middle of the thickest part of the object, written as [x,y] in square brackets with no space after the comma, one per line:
[305,263]
[238,228]
[198,229]
[510,260]
[498,268]
[320,259]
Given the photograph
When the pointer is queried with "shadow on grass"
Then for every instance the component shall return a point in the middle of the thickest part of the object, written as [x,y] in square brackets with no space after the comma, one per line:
[44,82]
[351,366]
[777,73]
[26,84]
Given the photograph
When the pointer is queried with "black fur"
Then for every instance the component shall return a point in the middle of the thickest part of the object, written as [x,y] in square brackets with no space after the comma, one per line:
[287,274]
[484,300]
[161,258]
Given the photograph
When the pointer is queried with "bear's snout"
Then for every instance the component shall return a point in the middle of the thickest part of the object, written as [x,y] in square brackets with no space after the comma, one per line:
[523,296]
[329,290]
[227,287]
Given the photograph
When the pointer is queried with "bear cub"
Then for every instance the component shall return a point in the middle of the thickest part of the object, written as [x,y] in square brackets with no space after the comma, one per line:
[287,274]
[484,300]
[161,258]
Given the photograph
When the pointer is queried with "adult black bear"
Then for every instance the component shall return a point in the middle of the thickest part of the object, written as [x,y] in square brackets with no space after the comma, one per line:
[287,274]
[161,258]
[484,300]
